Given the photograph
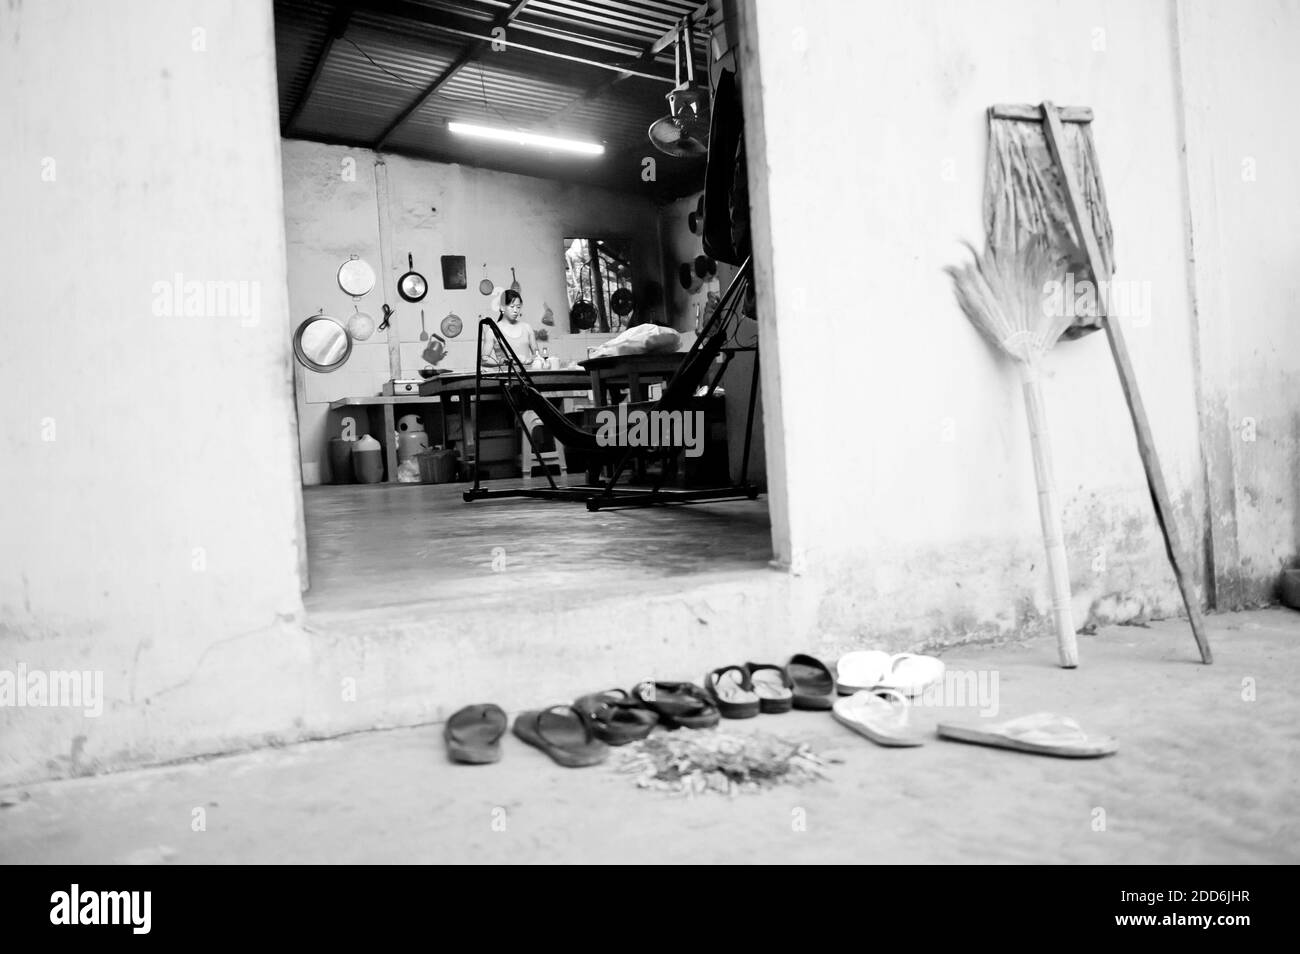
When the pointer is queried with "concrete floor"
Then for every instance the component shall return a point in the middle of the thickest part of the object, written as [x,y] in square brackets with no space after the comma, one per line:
[1207,772]
[388,545]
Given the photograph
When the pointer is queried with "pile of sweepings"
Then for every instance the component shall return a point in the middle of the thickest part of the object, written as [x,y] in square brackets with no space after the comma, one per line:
[691,762]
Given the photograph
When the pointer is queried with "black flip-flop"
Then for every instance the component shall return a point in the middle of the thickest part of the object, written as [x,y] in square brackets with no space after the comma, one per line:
[771,703]
[616,717]
[564,733]
[678,704]
[812,681]
[739,684]
[473,734]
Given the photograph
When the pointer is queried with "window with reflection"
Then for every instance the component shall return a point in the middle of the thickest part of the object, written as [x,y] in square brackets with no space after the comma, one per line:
[598,274]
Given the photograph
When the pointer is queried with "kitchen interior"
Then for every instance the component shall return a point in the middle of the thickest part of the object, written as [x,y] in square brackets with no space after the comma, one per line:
[440,159]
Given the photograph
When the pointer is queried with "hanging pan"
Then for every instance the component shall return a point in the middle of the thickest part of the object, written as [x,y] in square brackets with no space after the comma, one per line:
[583,313]
[452,325]
[485,286]
[686,275]
[356,277]
[412,286]
[705,267]
[621,302]
[696,219]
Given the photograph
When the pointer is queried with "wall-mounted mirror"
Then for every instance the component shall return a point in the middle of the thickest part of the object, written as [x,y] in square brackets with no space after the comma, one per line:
[598,274]
[322,344]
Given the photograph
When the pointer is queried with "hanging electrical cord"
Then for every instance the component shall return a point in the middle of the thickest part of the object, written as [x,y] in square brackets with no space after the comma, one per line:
[487,106]
[382,69]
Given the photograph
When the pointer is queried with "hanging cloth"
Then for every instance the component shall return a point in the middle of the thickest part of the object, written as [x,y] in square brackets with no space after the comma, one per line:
[726,189]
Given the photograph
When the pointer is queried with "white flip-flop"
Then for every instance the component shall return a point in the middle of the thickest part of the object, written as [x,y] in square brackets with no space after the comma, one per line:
[911,674]
[860,670]
[1042,733]
[881,716]
[906,673]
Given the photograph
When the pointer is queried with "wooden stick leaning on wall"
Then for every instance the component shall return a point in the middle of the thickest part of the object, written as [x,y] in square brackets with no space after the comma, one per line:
[1051,120]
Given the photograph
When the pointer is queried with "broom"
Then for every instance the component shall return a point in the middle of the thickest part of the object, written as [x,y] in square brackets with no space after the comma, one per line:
[1001,293]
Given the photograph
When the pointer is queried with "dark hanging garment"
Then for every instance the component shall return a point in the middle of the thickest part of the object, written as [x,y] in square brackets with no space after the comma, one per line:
[725,231]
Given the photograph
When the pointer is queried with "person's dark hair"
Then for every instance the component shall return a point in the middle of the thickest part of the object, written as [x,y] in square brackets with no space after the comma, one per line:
[509,297]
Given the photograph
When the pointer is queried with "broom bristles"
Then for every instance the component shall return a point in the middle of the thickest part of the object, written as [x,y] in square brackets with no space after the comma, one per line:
[1003,295]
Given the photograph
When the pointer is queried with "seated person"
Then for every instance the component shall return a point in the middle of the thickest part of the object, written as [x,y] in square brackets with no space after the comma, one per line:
[523,341]
[521,336]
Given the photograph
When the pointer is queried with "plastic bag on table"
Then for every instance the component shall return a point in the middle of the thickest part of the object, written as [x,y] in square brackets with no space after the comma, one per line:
[642,339]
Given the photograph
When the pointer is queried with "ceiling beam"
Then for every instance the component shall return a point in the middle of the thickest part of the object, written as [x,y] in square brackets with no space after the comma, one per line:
[587,50]
[467,56]
[670,35]
[338,25]
[646,56]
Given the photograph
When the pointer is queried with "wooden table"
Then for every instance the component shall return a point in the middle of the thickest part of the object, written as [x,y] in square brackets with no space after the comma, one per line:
[460,386]
[630,372]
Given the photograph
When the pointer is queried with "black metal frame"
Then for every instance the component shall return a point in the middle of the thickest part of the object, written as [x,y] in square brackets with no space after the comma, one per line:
[598,497]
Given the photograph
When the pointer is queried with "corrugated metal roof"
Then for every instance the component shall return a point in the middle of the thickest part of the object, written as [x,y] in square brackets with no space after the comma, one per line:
[361,72]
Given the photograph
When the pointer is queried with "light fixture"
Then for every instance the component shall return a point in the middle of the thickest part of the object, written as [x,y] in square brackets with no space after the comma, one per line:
[528,139]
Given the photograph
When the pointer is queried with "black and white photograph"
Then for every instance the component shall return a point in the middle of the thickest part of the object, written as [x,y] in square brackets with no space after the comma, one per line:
[656,432]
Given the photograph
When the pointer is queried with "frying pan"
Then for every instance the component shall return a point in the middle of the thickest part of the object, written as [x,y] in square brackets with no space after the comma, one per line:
[412,286]
[356,277]
[621,302]
[485,286]
[452,325]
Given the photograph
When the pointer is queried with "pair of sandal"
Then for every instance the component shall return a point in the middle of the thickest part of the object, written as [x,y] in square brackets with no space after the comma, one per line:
[565,733]
[804,682]
[907,674]
[581,734]
[882,716]
[742,692]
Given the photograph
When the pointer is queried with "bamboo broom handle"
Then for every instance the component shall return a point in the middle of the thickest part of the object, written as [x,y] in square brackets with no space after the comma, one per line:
[1050,515]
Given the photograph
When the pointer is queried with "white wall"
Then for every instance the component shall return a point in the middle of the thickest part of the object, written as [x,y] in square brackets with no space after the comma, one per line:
[906,462]
[150,505]
[1240,74]
[502,219]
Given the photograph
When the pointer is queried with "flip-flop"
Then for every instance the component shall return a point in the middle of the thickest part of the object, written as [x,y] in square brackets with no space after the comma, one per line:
[881,716]
[906,673]
[473,734]
[1042,733]
[563,733]
[772,685]
[678,704]
[860,670]
[911,674]
[732,692]
[617,718]
[812,682]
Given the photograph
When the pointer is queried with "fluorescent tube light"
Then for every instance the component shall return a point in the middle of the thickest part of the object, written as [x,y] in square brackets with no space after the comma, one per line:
[527,139]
